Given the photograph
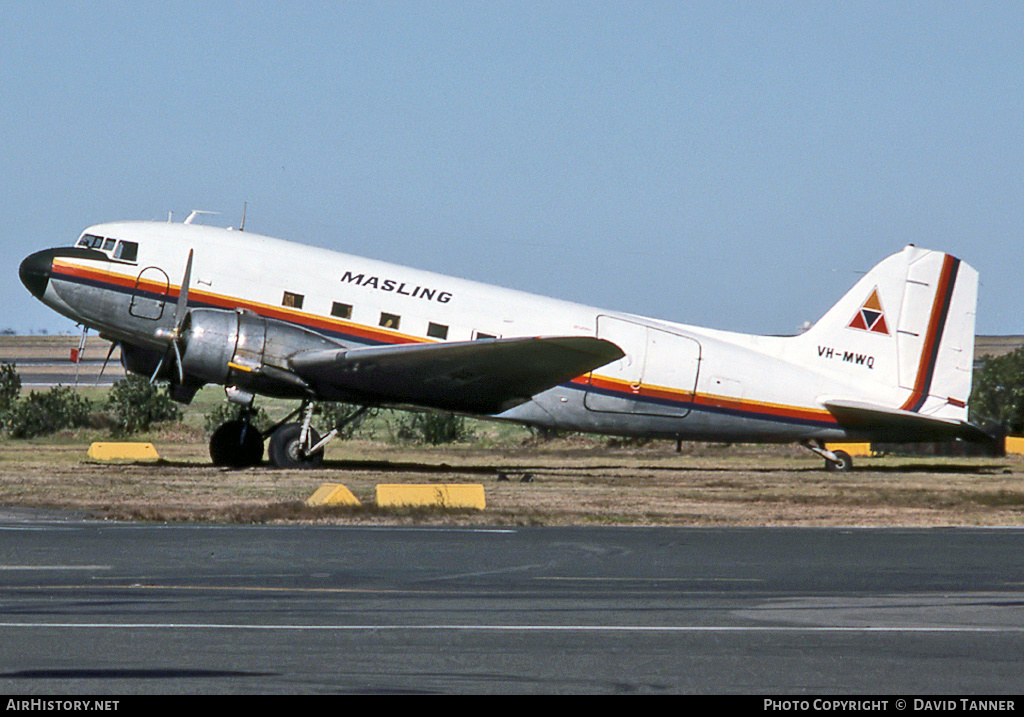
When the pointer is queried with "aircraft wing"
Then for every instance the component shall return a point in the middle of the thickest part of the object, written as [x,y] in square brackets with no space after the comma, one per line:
[896,425]
[484,377]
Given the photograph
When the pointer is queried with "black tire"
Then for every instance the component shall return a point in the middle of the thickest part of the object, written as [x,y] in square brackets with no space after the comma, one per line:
[285,451]
[844,462]
[236,444]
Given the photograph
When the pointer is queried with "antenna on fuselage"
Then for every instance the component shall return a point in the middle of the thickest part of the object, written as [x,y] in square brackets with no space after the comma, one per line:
[241,227]
[195,213]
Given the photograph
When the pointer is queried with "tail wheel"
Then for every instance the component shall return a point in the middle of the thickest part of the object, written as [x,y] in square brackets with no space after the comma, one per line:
[286,449]
[236,444]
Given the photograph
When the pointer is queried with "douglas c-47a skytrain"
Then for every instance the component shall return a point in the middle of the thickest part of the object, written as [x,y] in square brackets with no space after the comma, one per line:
[194,304]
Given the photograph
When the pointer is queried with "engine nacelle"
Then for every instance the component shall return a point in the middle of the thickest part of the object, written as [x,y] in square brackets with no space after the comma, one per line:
[246,351]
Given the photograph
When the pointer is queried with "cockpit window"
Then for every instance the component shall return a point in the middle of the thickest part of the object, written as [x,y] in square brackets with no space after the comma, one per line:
[127,251]
[122,250]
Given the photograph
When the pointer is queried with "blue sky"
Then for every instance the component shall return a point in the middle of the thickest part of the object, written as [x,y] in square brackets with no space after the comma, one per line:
[726,164]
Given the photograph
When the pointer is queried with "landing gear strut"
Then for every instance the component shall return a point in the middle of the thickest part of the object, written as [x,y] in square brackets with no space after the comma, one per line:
[299,445]
[289,450]
[834,460]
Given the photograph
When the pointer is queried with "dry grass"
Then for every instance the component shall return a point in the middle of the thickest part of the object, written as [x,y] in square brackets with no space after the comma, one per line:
[575,481]
[570,482]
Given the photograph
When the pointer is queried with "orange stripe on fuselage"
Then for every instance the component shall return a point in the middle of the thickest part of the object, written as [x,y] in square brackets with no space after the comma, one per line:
[760,409]
[624,389]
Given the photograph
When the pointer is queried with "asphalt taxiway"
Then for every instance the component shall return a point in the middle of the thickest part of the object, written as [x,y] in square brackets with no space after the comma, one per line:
[90,607]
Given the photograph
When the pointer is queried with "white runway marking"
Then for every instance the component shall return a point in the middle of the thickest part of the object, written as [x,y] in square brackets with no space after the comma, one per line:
[55,567]
[951,629]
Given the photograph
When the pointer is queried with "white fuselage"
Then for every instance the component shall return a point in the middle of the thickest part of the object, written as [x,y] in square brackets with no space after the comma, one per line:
[675,381]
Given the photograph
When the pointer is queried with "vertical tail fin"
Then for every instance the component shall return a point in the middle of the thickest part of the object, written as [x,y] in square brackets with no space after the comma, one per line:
[911,319]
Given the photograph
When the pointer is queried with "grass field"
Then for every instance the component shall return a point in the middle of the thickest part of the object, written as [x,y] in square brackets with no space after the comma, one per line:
[575,480]
[569,481]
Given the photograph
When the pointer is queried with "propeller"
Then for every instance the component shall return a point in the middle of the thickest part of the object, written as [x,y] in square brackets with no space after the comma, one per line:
[174,335]
[113,345]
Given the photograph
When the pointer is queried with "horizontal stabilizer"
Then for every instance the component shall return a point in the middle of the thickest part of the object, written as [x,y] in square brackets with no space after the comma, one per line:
[483,377]
[894,425]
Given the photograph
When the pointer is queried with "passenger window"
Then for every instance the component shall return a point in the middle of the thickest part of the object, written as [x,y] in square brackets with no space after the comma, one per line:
[389,321]
[342,311]
[437,331]
[292,300]
[127,251]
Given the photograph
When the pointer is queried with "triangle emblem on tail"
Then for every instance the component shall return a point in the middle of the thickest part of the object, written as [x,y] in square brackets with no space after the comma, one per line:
[870,316]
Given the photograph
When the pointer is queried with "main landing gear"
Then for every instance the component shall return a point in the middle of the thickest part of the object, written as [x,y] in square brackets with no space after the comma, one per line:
[834,460]
[239,444]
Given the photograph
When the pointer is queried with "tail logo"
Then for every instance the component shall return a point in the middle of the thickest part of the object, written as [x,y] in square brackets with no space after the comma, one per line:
[870,317]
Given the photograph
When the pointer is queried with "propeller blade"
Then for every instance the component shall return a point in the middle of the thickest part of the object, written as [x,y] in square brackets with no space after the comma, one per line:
[160,363]
[174,335]
[182,308]
[177,361]
[105,362]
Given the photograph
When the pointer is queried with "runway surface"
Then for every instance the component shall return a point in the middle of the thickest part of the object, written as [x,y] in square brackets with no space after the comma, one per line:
[120,608]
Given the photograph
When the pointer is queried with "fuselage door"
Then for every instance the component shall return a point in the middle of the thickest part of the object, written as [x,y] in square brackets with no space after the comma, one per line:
[670,374]
[150,294]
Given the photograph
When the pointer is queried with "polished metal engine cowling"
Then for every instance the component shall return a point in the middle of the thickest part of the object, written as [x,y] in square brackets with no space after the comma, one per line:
[245,350]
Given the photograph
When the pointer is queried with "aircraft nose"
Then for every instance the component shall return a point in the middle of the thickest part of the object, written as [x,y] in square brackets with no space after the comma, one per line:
[35,272]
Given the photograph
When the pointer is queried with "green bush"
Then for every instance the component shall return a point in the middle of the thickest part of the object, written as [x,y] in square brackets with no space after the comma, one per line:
[10,387]
[136,404]
[998,393]
[329,414]
[433,428]
[42,413]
